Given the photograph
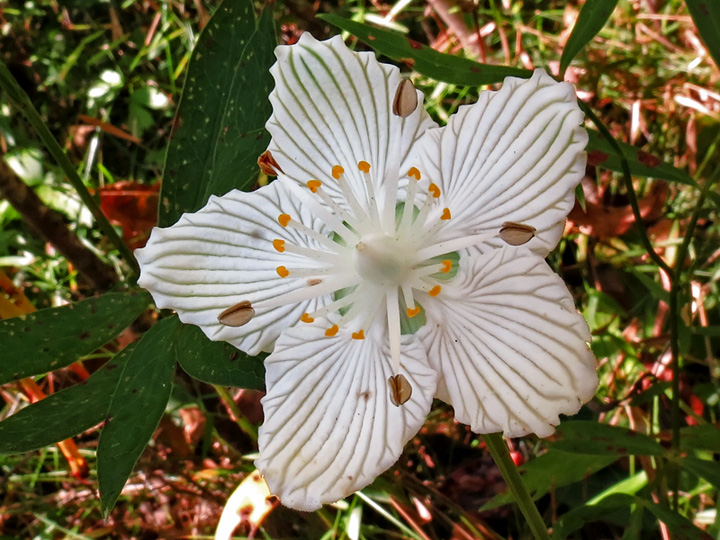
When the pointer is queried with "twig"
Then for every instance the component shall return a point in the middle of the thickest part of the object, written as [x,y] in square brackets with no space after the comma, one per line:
[49,224]
[456,25]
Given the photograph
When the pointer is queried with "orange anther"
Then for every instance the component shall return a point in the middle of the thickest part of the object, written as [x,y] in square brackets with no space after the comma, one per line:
[284,219]
[314,185]
[306,318]
[279,245]
[333,330]
[364,166]
[446,266]
[435,290]
[414,173]
[358,335]
[337,170]
[435,190]
[412,312]
[445,214]
[282,271]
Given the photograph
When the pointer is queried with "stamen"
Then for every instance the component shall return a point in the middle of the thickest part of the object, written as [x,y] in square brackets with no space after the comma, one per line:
[400,389]
[284,219]
[282,271]
[446,214]
[315,254]
[311,233]
[238,315]
[358,335]
[409,207]
[336,305]
[306,318]
[414,173]
[408,295]
[434,190]
[279,245]
[364,166]
[370,191]
[446,266]
[302,294]
[355,221]
[448,246]
[435,290]
[393,315]
[313,185]
[337,170]
[332,331]
[412,312]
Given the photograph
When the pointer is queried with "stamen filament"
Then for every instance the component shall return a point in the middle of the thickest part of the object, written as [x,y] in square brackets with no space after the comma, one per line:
[354,220]
[314,254]
[408,296]
[448,246]
[406,220]
[336,305]
[393,315]
[302,294]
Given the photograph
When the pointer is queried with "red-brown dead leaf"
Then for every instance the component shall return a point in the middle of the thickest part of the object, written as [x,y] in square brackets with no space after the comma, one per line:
[133,207]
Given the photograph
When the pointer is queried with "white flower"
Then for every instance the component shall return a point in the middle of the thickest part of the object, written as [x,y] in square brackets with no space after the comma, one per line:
[377,269]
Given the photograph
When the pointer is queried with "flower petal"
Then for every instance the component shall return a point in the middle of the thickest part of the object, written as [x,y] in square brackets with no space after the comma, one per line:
[333,106]
[222,255]
[511,348]
[516,155]
[330,428]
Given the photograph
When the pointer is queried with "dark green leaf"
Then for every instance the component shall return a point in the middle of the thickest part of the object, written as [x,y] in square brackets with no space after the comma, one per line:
[593,16]
[602,154]
[552,470]
[423,59]
[709,470]
[603,440]
[217,362]
[576,518]
[706,14]
[705,437]
[136,407]
[219,128]
[63,414]
[680,528]
[53,338]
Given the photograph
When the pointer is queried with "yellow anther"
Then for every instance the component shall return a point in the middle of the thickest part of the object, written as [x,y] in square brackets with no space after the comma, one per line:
[279,245]
[314,185]
[284,219]
[414,173]
[306,318]
[282,271]
[412,312]
[435,190]
[337,170]
[333,330]
[445,214]
[446,266]
[364,166]
[435,290]
[358,335]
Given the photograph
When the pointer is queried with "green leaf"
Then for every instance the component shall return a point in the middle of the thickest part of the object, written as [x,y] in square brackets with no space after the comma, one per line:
[704,437]
[216,362]
[709,470]
[602,154]
[53,338]
[219,127]
[552,470]
[587,437]
[680,528]
[136,407]
[706,14]
[63,414]
[576,518]
[593,16]
[423,59]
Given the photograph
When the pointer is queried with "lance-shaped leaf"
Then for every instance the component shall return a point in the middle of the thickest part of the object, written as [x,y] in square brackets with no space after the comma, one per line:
[583,437]
[53,338]
[423,59]
[219,128]
[65,413]
[593,16]
[136,407]
[706,14]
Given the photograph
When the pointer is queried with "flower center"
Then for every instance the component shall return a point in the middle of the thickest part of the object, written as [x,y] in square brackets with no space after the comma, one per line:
[380,259]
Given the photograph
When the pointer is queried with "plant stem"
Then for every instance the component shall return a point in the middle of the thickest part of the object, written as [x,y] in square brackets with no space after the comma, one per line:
[22,102]
[239,418]
[499,452]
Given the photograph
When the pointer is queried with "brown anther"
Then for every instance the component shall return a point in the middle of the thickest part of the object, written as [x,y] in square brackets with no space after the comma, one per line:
[517,234]
[268,165]
[406,100]
[237,315]
[400,389]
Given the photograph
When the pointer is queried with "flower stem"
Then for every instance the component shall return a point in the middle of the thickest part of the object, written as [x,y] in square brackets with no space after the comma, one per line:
[499,452]
[22,102]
